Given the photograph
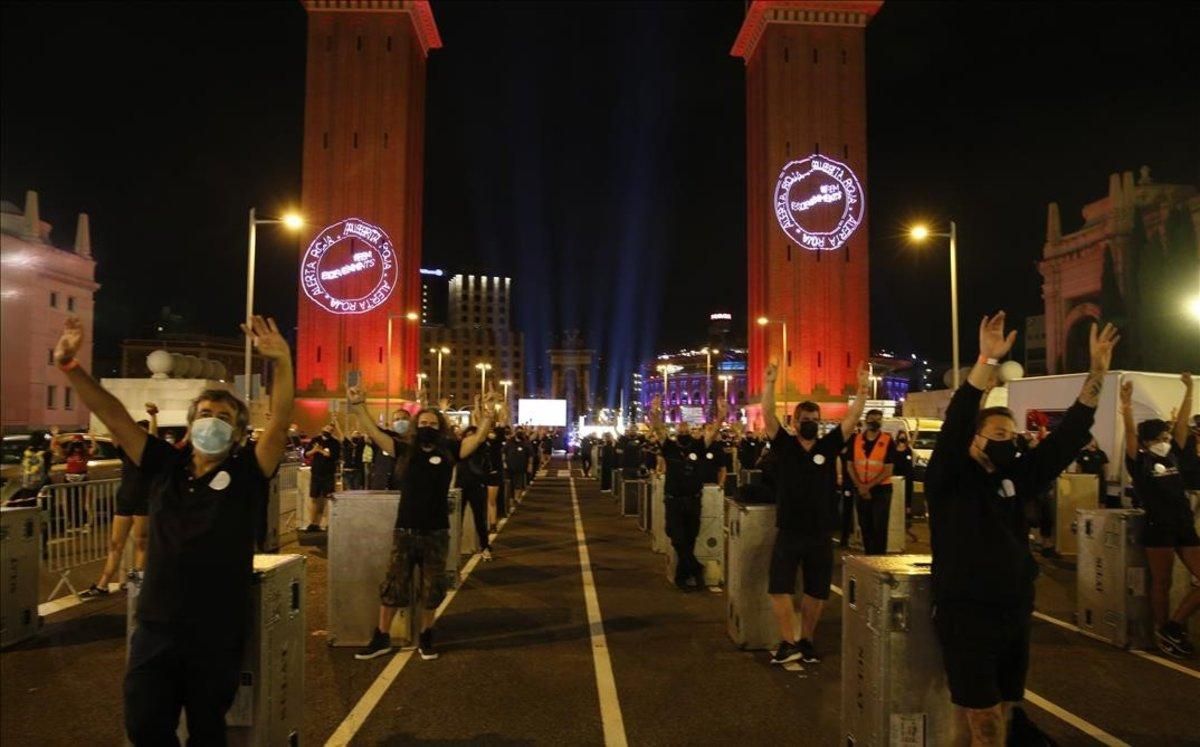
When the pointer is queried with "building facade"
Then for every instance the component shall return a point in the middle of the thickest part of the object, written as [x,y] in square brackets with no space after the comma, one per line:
[435,297]
[478,332]
[1134,262]
[806,175]
[41,286]
[362,192]
[688,375]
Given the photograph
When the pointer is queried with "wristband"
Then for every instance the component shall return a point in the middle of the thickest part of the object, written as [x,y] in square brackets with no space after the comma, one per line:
[984,360]
[69,366]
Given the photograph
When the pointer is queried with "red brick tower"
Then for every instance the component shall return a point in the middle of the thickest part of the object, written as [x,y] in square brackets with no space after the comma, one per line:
[806,168]
[364,142]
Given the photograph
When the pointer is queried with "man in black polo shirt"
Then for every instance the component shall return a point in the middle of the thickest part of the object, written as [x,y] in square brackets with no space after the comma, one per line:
[205,501]
[684,459]
[805,485]
[978,482]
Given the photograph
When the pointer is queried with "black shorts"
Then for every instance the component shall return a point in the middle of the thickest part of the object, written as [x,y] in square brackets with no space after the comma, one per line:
[492,479]
[1172,534]
[794,551]
[518,479]
[133,505]
[985,652]
[322,485]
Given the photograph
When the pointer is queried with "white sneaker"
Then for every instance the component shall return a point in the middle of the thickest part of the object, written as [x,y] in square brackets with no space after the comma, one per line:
[487,555]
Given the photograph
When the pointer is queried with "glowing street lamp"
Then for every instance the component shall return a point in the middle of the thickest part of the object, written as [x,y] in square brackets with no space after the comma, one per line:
[506,383]
[708,354]
[666,369]
[919,233]
[483,368]
[291,221]
[387,364]
[726,378]
[439,352]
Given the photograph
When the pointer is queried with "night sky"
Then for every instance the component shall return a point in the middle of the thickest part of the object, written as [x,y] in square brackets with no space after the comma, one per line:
[595,152]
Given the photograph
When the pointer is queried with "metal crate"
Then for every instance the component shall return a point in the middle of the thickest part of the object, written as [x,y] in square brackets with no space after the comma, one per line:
[1072,491]
[659,542]
[454,551]
[894,688]
[645,505]
[360,548]
[631,496]
[20,564]
[749,620]
[1112,577]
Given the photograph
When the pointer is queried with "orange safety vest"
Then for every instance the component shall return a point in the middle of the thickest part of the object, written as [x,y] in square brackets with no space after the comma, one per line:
[868,467]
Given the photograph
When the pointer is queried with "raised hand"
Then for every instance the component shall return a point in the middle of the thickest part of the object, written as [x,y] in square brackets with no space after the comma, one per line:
[656,403]
[355,396]
[1101,346]
[489,403]
[1126,394]
[1186,378]
[864,376]
[771,373]
[443,404]
[151,409]
[266,338]
[722,411]
[993,343]
[69,342]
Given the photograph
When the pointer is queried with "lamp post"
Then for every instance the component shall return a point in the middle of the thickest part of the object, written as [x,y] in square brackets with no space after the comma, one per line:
[293,222]
[666,369]
[919,233]
[411,316]
[708,354]
[422,378]
[506,383]
[483,368]
[762,322]
[443,350]
[726,378]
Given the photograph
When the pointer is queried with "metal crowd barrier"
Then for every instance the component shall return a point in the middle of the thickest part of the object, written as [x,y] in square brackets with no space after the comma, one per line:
[77,521]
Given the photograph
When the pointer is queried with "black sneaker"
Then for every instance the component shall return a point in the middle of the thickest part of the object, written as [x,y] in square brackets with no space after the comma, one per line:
[1173,640]
[381,643]
[425,647]
[808,652]
[92,593]
[1022,732]
[787,652]
[312,528]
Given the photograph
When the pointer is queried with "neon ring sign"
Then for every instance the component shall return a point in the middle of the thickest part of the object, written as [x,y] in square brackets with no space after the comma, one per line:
[349,268]
[818,202]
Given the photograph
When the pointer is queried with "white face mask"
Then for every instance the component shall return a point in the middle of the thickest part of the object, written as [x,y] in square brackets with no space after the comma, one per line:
[211,436]
[1160,449]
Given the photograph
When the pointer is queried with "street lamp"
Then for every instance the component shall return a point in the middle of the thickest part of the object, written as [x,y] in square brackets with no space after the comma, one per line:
[726,378]
[293,222]
[483,368]
[422,378]
[506,383]
[919,233]
[762,322]
[411,316]
[443,350]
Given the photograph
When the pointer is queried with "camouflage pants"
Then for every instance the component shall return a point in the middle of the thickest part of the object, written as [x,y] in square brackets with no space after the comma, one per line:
[410,549]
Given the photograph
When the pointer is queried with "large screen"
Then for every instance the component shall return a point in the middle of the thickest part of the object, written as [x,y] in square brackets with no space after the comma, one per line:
[549,412]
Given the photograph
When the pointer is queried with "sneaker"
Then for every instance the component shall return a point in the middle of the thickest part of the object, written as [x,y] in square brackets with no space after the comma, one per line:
[808,652]
[487,554]
[381,643]
[1173,640]
[92,593]
[425,647]
[787,652]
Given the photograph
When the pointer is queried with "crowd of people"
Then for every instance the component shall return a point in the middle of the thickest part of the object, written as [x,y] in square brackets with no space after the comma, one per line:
[193,509]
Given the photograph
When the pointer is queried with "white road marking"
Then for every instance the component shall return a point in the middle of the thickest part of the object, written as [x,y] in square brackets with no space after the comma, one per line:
[606,685]
[370,699]
[1141,654]
[1093,731]
[45,609]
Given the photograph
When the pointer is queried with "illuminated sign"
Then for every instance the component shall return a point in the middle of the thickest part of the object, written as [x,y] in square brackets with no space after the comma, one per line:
[349,268]
[818,202]
[431,272]
[718,317]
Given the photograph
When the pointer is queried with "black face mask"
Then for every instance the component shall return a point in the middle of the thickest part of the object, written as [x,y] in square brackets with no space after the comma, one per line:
[808,429]
[684,439]
[1001,453]
[427,435]
[873,426]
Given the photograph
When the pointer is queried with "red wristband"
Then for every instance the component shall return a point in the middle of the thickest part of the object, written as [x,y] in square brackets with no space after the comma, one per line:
[69,365]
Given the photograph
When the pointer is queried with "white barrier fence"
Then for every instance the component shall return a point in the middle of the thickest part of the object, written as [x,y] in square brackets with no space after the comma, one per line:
[77,520]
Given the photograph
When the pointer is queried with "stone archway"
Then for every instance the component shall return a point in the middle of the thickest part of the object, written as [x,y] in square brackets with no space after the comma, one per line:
[1078,323]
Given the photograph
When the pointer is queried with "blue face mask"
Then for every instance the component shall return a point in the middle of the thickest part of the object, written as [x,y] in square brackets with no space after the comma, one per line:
[211,436]
[400,426]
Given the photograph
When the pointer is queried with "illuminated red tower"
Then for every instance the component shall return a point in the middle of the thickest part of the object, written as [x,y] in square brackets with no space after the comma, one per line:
[364,142]
[806,166]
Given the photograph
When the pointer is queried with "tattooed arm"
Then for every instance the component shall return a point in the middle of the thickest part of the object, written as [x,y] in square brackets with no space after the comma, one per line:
[1102,345]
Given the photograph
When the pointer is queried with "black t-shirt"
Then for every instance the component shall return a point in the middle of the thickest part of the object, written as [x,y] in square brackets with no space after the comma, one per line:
[749,450]
[495,448]
[201,547]
[902,461]
[1091,462]
[685,468]
[516,454]
[1189,464]
[631,452]
[424,480]
[804,481]
[1159,485]
[326,465]
[352,452]
[714,458]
